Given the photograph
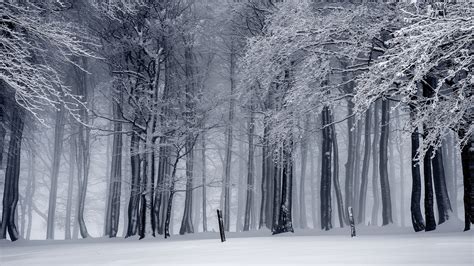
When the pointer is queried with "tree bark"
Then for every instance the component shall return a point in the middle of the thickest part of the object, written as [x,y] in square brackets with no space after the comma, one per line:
[12,175]
[384,183]
[337,186]
[70,187]
[277,188]
[365,170]
[351,154]
[229,140]
[284,219]
[357,171]
[467,160]
[326,211]
[250,172]
[31,189]
[115,184]
[429,213]
[57,152]
[441,191]
[266,207]
[204,182]
[187,222]
[416,216]
[375,164]
[304,156]
[134,201]
[83,142]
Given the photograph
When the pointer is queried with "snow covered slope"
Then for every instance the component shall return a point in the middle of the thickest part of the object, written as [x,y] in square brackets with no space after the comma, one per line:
[240,249]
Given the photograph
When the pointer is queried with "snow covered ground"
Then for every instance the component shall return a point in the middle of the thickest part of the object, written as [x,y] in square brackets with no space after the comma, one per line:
[373,246]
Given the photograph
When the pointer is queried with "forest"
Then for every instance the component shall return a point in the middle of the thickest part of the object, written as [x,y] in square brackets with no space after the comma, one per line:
[141,118]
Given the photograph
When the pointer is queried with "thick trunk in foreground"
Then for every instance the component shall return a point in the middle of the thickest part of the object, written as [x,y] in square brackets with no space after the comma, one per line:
[429,212]
[416,216]
[467,159]
[326,211]
[57,153]
[284,219]
[384,183]
[12,175]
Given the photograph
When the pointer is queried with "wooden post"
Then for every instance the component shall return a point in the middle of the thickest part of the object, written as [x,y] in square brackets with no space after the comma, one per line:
[221,225]
[351,221]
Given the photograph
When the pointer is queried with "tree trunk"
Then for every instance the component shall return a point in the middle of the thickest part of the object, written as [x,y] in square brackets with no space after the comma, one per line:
[337,186]
[134,201]
[351,154]
[467,159]
[70,187]
[115,184]
[441,191]
[12,175]
[384,183]
[416,216]
[143,191]
[326,211]
[401,171]
[365,171]
[266,207]
[3,130]
[277,188]
[429,213]
[31,191]
[375,164]
[229,139]
[250,172]
[314,182]
[187,222]
[169,202]
[304,156]
[204,183]
[57,152]
[357,177]
[284,219]
[83,141]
